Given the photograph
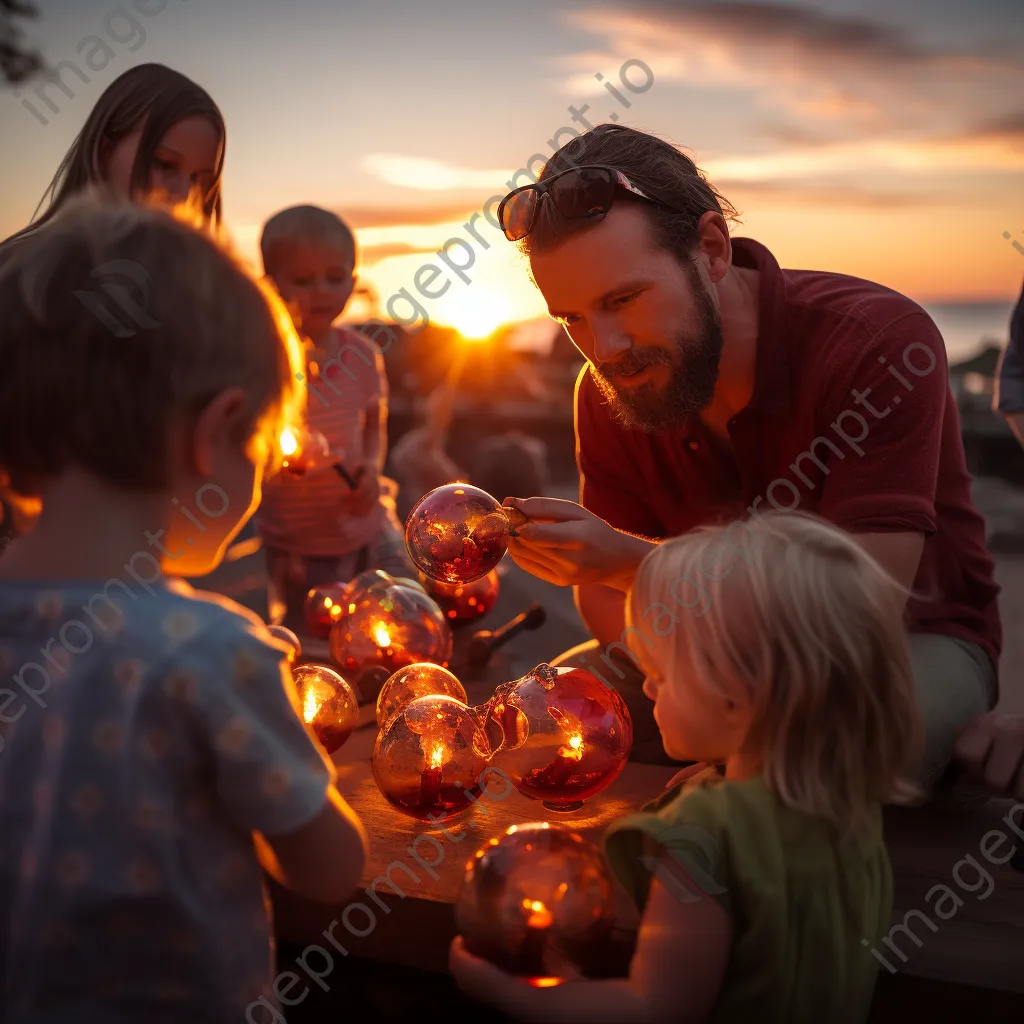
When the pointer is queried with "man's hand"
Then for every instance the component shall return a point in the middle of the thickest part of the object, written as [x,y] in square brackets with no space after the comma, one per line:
[992,749]
[566,545]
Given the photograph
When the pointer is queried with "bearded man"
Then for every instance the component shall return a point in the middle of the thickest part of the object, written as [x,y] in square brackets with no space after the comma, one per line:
[719,386]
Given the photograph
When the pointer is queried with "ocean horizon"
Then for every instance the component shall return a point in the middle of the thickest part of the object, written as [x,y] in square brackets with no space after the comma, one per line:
[969,327]
[966,327]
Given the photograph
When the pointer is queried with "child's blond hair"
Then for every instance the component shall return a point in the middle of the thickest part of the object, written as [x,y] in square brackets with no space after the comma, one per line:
[303,224]
[811,628]
[120,320]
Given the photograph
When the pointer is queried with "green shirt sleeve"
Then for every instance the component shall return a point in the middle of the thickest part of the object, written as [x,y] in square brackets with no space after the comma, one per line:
[687,825]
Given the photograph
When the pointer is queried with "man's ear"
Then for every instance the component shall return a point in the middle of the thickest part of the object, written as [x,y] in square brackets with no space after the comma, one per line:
[216,424]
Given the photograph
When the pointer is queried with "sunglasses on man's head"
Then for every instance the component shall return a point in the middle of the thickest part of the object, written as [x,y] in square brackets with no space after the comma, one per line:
[587,191]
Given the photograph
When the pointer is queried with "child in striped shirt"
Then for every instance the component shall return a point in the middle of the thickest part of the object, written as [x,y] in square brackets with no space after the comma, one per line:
[318,528]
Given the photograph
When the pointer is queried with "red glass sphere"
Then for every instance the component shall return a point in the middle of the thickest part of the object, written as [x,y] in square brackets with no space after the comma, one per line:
[328,704]
[536,901]
[566,734]
[395,627]
[429,756]
[463,603]
[456,533]
[361,588]
[324,606]
[303,450]
[414,681]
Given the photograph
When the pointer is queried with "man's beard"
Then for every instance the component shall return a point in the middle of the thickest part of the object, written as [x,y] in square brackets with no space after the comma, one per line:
[693,365]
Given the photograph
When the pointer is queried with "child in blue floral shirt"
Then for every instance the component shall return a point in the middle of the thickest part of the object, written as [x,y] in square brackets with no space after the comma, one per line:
[152,759]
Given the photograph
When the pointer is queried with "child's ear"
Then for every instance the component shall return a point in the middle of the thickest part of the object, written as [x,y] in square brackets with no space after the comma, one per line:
[216,423]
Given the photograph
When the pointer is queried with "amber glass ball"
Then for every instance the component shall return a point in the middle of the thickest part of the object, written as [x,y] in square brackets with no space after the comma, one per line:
[303,450]
[395,627]
[328,704]
[456,533]
[536,901]
[324,606]
[429,756]
[566,734]
[414,681]
[463,603]
[362,587]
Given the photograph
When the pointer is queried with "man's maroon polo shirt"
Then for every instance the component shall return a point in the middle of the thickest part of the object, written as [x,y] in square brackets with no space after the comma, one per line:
[830,429]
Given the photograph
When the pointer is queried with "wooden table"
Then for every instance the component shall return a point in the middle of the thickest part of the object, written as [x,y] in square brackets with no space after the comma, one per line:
[982,944]
[415,925]
[411,920]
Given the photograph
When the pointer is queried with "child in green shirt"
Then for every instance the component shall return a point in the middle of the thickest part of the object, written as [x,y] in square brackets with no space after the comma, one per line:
[763,892]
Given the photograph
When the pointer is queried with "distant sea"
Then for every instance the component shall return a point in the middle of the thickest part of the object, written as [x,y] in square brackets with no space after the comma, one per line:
[967,327]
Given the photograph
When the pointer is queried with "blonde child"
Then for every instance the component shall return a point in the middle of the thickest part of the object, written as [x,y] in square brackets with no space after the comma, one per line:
[152,758]
[319,528]
[763,892]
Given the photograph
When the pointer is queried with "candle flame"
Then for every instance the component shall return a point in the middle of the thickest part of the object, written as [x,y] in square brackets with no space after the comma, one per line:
[540,916]
[289,443]
[438,756]
[382,636]
[311,705]
[573,751]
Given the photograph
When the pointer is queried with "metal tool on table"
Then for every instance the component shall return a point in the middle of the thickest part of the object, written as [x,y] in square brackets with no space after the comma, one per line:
[485,642]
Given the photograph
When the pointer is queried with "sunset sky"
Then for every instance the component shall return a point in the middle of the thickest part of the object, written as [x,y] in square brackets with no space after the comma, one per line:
[881,138]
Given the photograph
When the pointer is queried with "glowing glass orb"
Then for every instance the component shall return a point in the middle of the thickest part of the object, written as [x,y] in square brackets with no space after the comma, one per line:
[416,681]
[428,757]
[288,637]
[324,606]
[463,603]
[535,901]
[566,734]
[456,533]
[361,587]
[304,449]
[394,627]
[328,704]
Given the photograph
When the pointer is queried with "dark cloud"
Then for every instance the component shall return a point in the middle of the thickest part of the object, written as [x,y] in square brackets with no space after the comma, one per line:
[823,36]
[1010,126]
[793,135]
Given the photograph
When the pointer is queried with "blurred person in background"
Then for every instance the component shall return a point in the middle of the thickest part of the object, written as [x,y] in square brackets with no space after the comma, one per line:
[320,528]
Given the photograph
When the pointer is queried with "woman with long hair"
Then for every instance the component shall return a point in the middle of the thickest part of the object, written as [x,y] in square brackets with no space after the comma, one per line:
[153,134]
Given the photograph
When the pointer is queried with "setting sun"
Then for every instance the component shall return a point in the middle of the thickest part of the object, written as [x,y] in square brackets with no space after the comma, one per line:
[479,314]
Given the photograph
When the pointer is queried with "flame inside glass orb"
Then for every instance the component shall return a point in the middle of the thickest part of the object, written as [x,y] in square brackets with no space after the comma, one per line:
[535,901]
[328,704]
[393,627]
[456,533]
[566,735]
[304,449]
[428,757]
[463,603]
[324,606]
[416,681]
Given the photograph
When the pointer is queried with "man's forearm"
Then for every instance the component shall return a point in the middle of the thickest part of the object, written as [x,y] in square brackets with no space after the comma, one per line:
[603,611]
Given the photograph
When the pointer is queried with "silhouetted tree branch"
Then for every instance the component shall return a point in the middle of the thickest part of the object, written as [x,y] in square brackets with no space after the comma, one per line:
[16,62]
